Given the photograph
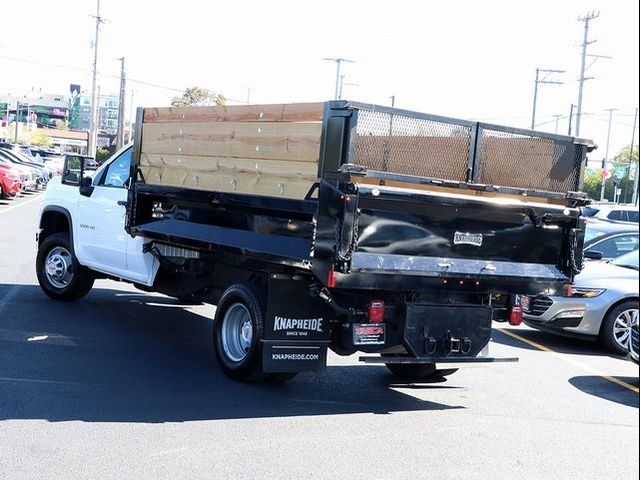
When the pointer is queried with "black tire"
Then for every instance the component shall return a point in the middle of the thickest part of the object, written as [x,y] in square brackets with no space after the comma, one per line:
[81,281]
[607,336]
[248,368]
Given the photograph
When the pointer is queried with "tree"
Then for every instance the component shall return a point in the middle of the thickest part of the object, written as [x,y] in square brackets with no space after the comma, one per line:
[62,126]
[40,140]
[198,96]
[593,179]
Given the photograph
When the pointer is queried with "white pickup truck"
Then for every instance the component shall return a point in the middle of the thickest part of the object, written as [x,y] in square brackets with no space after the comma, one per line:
[81,235]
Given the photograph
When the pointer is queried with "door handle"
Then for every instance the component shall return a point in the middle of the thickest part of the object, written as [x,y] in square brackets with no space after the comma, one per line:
[122,203]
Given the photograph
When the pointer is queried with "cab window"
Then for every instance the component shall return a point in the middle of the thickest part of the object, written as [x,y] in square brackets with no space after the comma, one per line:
[117,174]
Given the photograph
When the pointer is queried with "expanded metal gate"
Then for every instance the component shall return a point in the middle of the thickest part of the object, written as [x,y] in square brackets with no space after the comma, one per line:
[410,143]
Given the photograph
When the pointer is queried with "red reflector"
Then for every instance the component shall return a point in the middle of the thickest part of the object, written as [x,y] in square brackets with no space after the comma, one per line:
[376,311]
[331,279]
[515,317]
[461,282]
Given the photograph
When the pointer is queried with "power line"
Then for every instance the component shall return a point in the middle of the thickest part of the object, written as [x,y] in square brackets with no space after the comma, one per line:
[537,82]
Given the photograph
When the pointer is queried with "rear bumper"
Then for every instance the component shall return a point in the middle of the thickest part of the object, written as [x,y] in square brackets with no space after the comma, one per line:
[441,361]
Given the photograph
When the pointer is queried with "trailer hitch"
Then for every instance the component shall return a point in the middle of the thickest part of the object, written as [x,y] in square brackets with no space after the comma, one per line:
[452,344]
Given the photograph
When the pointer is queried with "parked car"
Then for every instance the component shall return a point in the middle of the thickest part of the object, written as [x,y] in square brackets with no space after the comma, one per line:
[10,182]
[28,176]
[605,240]
[612,213]
[44,174]
[602,304]
[633,343]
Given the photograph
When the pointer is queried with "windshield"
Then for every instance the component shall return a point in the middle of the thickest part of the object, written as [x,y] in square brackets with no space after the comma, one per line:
[628,260]
[592,234]
[589,211]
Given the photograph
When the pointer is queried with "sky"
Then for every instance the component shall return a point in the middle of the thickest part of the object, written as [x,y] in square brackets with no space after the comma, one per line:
[467,59]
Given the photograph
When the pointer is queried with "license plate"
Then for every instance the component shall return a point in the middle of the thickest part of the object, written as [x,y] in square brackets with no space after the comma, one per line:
[368,333]
[525,302]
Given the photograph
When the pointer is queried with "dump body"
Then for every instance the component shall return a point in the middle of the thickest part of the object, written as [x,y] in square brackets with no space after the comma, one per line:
[364,192]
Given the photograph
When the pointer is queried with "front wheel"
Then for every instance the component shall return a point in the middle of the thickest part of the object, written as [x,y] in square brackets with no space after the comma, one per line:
[59,274]
[616,328]
[238,330]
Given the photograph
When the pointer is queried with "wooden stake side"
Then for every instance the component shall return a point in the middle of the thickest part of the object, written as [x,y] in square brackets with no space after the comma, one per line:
[267,140]
[294,112]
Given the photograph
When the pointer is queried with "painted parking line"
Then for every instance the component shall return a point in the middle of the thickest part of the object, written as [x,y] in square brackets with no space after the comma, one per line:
[569,360]
[12,207]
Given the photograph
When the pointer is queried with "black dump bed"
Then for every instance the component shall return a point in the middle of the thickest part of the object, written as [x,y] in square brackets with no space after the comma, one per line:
[402,200]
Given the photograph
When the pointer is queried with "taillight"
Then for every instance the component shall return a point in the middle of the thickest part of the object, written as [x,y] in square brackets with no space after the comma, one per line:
[331,279]
[376,311]
[515,317]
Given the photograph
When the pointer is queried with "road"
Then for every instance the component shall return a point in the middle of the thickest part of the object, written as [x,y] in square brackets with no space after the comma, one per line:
[123,384]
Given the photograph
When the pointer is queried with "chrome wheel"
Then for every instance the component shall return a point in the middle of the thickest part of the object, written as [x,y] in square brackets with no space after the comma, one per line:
[237,332]
[622,326]
[57,267]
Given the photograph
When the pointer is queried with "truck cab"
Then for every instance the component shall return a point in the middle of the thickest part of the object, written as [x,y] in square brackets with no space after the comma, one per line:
[83,230]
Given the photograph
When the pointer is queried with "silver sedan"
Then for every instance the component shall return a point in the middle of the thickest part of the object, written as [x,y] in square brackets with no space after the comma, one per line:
[603,303]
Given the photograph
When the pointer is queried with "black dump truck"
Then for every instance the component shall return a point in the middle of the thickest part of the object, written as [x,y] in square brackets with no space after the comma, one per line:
[354,228]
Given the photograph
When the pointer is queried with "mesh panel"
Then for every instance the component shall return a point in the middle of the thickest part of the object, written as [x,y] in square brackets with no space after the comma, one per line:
[411,146]
[524,161]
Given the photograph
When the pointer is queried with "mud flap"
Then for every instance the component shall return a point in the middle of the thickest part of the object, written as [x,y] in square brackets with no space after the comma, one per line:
[296,330]
[289,357]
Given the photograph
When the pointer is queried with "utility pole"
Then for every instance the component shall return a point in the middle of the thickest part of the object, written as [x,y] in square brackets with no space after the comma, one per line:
[557,117]
[606,154]
[571,118]
[535,88]
[249,95]
[583,64]
[17,119]
[93,125]
[131,118]
[339,62]
[123,83]
[342,84]
[635,181]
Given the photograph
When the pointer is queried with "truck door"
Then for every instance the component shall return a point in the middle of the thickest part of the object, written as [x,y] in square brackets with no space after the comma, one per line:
[100,239]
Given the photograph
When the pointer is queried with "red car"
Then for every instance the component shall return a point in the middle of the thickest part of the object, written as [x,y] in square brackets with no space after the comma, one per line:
[10,184]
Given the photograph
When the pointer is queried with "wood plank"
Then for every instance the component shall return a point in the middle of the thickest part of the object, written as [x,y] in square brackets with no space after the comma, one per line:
[249,176]
[292,112]
[270,140]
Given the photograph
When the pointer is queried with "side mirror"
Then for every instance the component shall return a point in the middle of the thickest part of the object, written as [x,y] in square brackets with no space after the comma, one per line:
[73,170]
[593,255]
[86,186]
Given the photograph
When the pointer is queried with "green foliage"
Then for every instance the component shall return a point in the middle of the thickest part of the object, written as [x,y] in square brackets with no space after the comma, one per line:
[198,96]
[622,157]
[62,126]
[593,181]
[102,155]
[40,140]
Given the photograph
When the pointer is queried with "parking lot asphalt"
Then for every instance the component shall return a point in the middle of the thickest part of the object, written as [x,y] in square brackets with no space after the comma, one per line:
[123,384]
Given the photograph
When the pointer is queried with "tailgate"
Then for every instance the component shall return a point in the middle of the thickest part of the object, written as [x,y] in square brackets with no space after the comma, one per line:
[418,236]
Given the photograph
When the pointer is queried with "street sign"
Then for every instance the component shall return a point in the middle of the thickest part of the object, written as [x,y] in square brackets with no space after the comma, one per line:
[604,173]
[620,172]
